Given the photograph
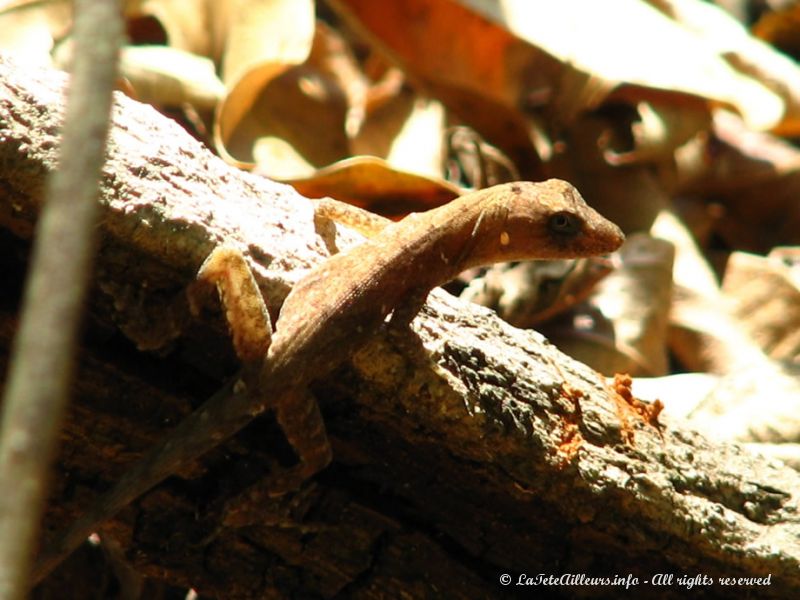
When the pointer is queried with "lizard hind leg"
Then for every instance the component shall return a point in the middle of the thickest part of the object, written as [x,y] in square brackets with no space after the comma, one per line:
[296,409]
[298,414]
[245,311]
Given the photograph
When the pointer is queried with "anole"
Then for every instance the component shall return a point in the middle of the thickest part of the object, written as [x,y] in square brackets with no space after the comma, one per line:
[337,308]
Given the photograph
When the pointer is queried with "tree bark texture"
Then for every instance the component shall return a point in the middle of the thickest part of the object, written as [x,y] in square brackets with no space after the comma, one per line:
[463,449]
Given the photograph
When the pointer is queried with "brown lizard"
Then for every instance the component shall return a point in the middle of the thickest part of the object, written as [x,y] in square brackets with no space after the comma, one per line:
[336,309]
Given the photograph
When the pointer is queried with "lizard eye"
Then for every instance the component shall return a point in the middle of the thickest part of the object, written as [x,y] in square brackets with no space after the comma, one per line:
[564,223]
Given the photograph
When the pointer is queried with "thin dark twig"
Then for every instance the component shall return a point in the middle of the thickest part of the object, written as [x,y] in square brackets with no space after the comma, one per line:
[42,357]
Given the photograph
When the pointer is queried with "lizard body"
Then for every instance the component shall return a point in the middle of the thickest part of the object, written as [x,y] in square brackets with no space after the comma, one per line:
[338,307]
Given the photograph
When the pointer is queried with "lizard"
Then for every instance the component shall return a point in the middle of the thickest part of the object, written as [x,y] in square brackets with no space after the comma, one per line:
[336,309]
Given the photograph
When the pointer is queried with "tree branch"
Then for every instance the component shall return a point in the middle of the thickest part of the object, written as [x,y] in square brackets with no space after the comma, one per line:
[462,451]
[42,364]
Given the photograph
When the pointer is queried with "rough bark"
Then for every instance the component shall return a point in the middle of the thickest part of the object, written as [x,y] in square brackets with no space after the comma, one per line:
[464,449]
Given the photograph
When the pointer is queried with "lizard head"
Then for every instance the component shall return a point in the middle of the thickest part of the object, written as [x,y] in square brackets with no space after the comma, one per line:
[549,219]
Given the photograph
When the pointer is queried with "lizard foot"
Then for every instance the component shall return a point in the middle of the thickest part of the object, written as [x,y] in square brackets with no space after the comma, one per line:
[255,503]
[245,311]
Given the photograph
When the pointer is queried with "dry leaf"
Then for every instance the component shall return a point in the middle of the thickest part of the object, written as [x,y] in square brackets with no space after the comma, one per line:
[624,327]
[787,453]
[525,294]
[372,183]
[704,336]
[189,25]
[473,162]
[263,40]
[765,295]
[754,180]
[743,52]
[414,146]
[30,29]
[302,107]
[636,298]
[659,130]
[758,402]
[374,132]
[691,270]
[165,76]
[632,196]
[476,68]
[679,393]
[636,45]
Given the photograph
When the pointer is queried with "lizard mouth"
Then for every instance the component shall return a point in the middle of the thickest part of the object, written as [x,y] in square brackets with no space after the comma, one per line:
[611,238]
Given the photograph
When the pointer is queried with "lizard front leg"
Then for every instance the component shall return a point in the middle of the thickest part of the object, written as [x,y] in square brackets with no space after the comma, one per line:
[222,415]
[245,311]
[296,410]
